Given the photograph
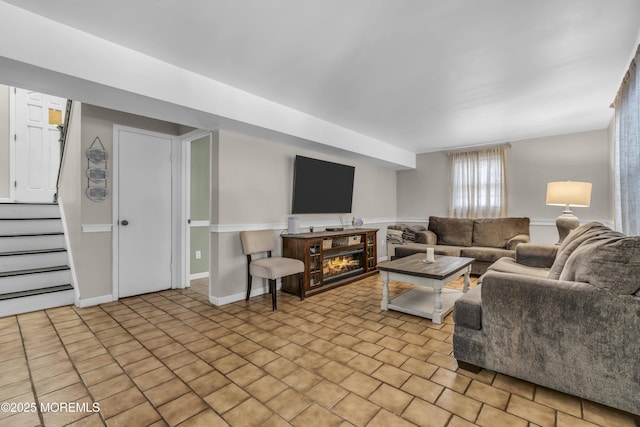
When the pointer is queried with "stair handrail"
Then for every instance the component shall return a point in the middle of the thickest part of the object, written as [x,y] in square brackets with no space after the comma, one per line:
[63,129]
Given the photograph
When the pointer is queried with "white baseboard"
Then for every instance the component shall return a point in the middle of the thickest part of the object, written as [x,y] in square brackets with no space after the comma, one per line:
[202,275]
[88,302]
[242,295]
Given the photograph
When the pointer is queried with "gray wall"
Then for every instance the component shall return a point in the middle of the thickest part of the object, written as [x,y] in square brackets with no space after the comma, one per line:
[4,142]
[583,156]
[252,182]
[200,203]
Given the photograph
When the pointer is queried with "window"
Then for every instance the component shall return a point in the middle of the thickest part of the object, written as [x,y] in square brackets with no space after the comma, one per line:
[627,152]
[479,183]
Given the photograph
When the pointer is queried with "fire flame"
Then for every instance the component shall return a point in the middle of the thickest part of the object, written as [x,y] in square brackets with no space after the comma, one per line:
[339,264]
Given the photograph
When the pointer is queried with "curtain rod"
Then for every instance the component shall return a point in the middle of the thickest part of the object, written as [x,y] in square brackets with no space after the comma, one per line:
[625,80]
[478,148]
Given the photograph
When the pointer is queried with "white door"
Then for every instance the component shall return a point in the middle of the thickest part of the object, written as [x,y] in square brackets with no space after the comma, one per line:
[37,146]
[144,209]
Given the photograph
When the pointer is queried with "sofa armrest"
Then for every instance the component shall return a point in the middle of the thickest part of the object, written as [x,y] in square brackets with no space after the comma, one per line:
[517,240]
[427,237]
[534,255]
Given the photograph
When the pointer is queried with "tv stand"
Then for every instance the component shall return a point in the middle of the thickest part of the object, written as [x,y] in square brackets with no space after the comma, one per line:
[331,258]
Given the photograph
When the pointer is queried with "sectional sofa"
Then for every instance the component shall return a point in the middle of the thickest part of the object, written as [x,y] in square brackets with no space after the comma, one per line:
[565,317]
[485,239]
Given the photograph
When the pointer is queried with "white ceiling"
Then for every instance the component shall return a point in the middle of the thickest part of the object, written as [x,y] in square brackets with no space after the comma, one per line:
[423,75]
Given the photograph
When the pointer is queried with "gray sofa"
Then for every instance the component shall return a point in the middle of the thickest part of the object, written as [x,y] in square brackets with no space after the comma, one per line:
[485,239]
[565,317]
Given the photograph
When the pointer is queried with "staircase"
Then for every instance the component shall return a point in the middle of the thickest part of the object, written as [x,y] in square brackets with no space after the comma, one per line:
[34,264]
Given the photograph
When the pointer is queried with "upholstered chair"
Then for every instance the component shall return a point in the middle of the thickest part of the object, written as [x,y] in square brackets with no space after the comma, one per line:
[269,267]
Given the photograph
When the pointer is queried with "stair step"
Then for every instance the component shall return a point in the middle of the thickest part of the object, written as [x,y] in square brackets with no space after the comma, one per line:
[29,210]
[32,292]
[33,271]
[25,280]
[37,259]
[37,300]
[32,252]
[12,227]
[25,242]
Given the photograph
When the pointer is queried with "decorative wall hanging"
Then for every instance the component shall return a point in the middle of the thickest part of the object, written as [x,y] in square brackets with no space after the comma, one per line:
[97,173]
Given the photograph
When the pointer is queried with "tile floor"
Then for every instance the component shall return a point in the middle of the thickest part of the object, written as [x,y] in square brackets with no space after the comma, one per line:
[335,359]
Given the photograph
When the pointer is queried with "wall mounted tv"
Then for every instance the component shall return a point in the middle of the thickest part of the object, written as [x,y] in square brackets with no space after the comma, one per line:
[321,187]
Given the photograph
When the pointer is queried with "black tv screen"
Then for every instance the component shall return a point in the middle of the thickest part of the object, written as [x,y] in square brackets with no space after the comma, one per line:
[321,187]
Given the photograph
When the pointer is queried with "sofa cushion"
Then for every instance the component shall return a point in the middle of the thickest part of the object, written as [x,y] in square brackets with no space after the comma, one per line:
[486,254]
[592,231]
[536,255]
[467,310]
[612,264]
[452,231]
[496,232]
[509,265]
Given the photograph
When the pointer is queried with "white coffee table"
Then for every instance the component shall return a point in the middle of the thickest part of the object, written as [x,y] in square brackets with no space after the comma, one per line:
[429,298]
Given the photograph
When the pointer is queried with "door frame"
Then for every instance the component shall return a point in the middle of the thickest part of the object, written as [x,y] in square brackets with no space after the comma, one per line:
[12,143]
[187,139]
[177,218]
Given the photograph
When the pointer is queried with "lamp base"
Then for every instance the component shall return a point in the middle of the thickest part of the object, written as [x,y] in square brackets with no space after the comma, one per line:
[565,223]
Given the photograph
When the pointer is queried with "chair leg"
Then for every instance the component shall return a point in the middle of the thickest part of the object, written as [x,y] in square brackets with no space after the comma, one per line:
[248,286]
[300,286]
[272,289]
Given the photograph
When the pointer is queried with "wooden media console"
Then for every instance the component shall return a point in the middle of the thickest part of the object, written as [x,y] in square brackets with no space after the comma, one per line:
[331,258]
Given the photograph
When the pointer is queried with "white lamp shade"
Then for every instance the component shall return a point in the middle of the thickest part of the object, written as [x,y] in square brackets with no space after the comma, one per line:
[569,193]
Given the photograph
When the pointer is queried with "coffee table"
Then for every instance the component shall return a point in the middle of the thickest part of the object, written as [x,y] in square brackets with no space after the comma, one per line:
[429,299]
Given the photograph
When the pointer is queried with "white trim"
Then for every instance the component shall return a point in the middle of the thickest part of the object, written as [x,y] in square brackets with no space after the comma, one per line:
[88,302]
[199,224]
[185,201]
[115,206]
[196,276]
[97,228]
[12,143]
[67,243]
[186,141]
[242,295]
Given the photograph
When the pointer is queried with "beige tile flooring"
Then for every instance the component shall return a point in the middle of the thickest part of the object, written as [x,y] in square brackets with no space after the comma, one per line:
[335,359]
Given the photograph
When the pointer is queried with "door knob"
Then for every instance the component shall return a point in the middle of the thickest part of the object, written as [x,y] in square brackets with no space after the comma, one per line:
[124,222]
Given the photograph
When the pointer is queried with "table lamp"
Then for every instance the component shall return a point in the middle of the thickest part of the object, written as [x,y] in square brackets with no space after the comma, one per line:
[567,194]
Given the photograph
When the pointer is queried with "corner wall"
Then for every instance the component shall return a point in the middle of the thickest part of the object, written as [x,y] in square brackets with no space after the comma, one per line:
[583,156]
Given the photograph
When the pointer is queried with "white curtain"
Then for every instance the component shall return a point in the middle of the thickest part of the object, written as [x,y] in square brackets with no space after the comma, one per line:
[627,152]
[479,183]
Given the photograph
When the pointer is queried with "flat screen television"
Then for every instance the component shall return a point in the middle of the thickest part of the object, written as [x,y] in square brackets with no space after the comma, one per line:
[321,187]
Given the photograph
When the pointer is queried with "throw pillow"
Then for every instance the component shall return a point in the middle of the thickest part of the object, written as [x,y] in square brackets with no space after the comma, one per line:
[452,231]
[394,236]
[409,233]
